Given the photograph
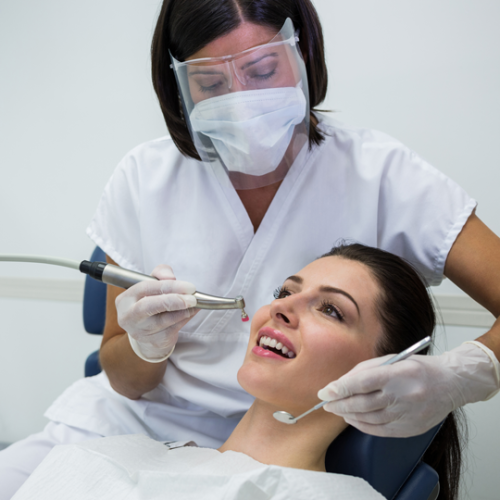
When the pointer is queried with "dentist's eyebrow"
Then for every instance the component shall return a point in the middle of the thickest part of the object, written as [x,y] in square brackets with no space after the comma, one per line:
[327,289]
[251,63]
[210,73]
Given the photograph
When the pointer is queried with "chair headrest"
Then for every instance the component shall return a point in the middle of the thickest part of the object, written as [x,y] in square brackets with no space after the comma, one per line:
[385,463]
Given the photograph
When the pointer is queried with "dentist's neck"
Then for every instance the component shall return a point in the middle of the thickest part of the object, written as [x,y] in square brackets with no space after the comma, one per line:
[302,445]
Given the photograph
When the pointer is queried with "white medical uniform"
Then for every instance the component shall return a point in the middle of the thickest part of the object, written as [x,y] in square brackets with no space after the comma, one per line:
[161,207]
[138,468]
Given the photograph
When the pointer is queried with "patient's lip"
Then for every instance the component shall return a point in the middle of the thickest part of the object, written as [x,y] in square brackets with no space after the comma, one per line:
[267,331]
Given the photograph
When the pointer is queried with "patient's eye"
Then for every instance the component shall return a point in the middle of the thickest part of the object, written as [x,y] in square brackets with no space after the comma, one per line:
[331,310]
[281,292]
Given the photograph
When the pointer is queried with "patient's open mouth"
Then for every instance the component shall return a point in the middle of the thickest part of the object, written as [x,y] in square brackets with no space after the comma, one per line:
[270,344]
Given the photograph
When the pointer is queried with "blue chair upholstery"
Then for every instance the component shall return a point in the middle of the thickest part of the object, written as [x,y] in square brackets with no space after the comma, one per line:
[392,466]
[424,482]
[353,452]
[94,312]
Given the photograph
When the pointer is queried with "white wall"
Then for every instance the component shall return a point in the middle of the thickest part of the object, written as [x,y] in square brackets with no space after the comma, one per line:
[427,73]
[75,96]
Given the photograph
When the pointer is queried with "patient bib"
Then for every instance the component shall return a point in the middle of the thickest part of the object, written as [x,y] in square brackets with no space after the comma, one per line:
[138,468]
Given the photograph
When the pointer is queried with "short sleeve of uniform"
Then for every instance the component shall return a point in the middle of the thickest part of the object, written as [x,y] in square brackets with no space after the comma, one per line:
[421,211]
[115,226]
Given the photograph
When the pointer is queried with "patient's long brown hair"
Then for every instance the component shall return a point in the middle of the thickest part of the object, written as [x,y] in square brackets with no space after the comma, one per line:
[407,315]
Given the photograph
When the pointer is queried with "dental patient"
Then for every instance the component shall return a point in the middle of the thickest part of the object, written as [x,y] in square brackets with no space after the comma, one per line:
[350,305]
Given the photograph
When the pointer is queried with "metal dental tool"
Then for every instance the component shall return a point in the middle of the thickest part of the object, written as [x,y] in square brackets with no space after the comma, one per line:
[285,417]
[123,278]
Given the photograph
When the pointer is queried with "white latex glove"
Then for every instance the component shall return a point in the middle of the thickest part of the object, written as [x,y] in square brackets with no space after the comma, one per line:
[152,313]
[412,396]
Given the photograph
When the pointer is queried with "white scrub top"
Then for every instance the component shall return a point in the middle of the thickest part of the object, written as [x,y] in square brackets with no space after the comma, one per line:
[161,207]
[138,468]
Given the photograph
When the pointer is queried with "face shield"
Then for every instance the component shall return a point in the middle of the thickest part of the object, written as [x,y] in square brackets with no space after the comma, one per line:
[248,112]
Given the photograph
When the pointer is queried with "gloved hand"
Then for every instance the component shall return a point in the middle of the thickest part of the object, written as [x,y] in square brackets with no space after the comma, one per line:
[412,396]
[152,313]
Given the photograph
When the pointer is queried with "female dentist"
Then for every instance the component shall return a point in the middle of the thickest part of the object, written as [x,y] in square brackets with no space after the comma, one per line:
[251,185]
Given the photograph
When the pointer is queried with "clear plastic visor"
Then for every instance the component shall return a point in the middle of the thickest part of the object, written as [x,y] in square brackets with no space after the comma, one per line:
[271,65]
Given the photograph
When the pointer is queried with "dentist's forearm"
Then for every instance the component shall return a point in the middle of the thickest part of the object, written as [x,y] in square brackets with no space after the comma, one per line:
[129,375]
[473,264]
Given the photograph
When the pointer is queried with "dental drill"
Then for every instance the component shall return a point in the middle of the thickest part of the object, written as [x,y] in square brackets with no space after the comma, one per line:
[123,278]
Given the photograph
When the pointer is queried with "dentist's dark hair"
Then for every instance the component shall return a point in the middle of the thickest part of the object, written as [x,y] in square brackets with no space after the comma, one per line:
[186,26]
[407,315]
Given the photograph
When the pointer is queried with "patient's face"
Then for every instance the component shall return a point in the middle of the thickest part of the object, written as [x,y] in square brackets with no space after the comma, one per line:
[316,333]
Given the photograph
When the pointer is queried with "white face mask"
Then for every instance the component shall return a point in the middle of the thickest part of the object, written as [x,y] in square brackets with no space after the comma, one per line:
[251,130]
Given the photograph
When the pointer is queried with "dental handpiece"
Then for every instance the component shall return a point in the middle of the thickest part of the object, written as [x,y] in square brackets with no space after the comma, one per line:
[123,278]
[286,418]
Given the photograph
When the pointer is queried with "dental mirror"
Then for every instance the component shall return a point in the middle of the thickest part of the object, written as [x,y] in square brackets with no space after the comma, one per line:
[285,417]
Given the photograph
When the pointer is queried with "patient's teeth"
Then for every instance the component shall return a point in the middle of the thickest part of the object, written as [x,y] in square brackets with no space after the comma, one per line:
[273,343]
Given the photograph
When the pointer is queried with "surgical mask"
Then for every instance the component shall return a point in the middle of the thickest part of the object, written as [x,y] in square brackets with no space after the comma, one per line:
[251,130]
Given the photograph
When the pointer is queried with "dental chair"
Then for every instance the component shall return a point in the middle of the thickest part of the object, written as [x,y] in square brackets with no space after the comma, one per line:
[393,466]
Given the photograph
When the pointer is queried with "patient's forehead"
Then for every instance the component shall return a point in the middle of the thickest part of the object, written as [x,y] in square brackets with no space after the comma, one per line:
[335,269]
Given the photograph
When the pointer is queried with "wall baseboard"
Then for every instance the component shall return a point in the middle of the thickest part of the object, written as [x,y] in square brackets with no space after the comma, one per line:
[461,310]
[458,310]
[42,289]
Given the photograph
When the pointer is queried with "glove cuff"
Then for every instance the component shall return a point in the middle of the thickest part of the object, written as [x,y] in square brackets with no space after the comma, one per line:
[135,347]
[494,362]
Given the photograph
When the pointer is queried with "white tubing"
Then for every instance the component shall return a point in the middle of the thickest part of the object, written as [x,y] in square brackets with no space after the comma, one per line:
[41,259]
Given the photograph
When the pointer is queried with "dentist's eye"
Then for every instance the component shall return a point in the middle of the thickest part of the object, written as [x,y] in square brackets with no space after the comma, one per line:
[265,76]
[281,292]
[331,310]
[211,88]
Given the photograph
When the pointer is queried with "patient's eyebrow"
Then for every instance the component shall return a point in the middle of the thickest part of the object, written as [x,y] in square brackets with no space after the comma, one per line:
[327,289]
[331,289]
[297,279]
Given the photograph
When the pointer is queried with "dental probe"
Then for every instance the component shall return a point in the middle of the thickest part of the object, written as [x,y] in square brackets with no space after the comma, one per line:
[123,278]
[285,417]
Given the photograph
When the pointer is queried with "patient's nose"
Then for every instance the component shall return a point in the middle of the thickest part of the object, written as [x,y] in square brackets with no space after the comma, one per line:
[283,317]
[283,311]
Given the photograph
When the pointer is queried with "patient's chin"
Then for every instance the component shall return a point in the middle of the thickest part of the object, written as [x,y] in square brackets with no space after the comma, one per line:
[258,385]
[249,378]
